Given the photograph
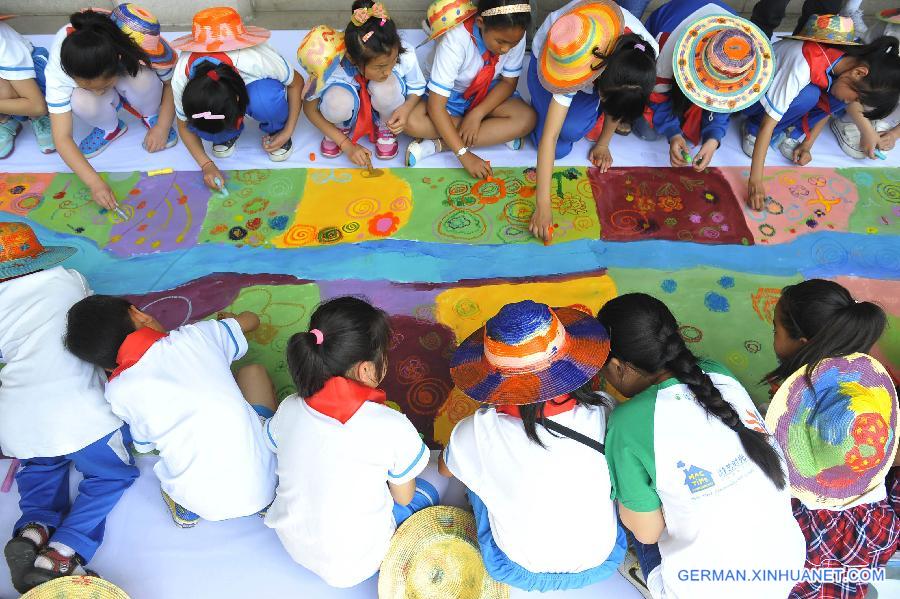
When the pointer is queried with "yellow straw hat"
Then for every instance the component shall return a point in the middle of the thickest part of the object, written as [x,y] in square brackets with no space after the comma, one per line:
[567,60]
[76,587]
[435,555]
[320,52]
[444,15]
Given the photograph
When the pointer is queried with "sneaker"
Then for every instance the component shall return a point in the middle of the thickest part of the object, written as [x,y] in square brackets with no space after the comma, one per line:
[748,140]
[787,145]
[8,132]
[21,551]
[181,516]
[224,149]
[98,139]
[150,122]
[386,146]
[60,566]
[421,149]
[330,148]
[630,569]
[283,153]
[43,134]
[516,144]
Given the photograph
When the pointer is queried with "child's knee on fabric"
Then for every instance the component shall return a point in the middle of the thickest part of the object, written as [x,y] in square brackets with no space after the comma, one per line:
[96,110]
[387,96]
[337,105]
[143,91]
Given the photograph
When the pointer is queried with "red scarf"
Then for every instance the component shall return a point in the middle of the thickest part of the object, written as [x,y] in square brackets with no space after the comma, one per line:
[340,398]
[557,405]
[821,60]
[365,123]
[133,349]
[481,85]
[691,121]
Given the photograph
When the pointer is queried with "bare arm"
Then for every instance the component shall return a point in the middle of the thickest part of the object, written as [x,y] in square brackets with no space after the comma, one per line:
[446,128]
[646,526]
[542,219]
[30,101]
[497,96]
[158,135]
[248,321]
[442,466]
[868,137]
[600,155]
[404,493]
[61,125]
[757,191]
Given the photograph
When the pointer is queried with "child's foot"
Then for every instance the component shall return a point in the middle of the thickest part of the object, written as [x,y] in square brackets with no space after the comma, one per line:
[22,550]
[330,148]
[150,122]
[8,131]
[787,145]
[283,153]
[224,149]
[748,140]
[630,569]
[516,144]
[386,146]
[43,134]
[181,516]
[421,149]
[847,134]
[98,139]
[55,562]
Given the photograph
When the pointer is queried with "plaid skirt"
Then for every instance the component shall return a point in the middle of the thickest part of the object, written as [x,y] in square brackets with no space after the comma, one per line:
[893,489]
[864,536]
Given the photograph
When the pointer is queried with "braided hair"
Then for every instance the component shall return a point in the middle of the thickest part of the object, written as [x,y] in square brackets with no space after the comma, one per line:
[644,333]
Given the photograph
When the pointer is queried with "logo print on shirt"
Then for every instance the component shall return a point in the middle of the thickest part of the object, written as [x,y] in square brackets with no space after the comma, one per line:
[695,478]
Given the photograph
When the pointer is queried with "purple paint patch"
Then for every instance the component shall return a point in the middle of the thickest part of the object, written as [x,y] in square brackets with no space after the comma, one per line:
[406,300]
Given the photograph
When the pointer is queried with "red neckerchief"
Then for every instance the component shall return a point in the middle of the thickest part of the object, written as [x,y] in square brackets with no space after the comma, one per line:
[481,85]
[365,124]
[133,349]
[557,405]
[821,59]
[340,398]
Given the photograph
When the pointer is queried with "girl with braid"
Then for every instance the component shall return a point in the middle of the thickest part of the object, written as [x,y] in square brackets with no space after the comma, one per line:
[699,481]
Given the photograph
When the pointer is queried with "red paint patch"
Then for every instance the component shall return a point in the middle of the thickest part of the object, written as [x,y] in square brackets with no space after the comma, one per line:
[142,228]
[141,205]
[134,192]
[254,223]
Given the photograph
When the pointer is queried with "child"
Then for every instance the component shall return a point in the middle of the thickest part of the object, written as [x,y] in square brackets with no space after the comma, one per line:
[347,463]
[98,63]
[177,393]
[472,100]
[52,422]
[814,80]
[589,57]
[22,90]
[371,92]
[534,454]
[835,414]
[733,69]
[697,478]
[226,71]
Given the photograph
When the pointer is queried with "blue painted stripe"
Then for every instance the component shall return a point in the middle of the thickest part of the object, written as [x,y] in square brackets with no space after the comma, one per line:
[411,466]
[237,348]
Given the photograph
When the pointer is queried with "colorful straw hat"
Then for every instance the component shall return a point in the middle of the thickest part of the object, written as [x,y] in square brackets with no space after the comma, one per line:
[723,63]
[839,434]
[828,29]
[568,52]
[530,353]
[435,555]
[320,52]
[76,587]
[21,252]
[444,15]
[890,15]
[142,27]
[220,29]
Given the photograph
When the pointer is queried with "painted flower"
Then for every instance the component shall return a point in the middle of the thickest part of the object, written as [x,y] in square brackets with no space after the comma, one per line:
[710,197]
[382,225]
[669,203]
[671,221]
[695,218]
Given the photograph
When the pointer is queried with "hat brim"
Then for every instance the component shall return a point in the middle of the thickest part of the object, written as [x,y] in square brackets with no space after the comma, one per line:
[583,355]
[890,15]
[76,587]
[165,57]
[592,76]
[436,34]
[820,40]
[252,37]
[51,256]
[695,85]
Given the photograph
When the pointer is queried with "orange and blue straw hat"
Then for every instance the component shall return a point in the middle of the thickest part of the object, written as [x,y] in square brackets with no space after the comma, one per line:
[530,353]
[143,28]
[21,253]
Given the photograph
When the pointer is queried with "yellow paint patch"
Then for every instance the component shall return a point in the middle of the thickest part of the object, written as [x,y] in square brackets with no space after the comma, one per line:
[343,206]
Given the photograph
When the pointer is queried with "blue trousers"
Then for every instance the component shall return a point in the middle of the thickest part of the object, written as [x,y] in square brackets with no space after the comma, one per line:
[648,555]
[108,469]
[804,104]
[426,496]
[580,119]
[268,105]
[635,7]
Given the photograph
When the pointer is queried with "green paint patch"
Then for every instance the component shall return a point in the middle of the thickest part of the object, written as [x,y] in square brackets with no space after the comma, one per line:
[876,210]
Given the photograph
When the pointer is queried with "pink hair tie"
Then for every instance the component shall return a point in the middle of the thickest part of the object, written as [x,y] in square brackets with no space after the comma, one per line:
[640,47]
[320,337]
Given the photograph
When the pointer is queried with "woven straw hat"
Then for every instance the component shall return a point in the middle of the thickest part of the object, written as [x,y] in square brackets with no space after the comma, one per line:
[828,29]
[890,15]
[76,587]
[22,253]
[435,555]
[319,53]
[444,15]
[220,29]
[142,27]
[723,63]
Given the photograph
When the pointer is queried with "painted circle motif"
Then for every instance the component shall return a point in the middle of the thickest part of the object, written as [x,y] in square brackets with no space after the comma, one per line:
[889,191]
[27,202]
[583,223]
[427,395]
[709,232]
[518,211]
[411,370]
[462,224]
[251,177]
[685,235]
[363,207]
[737,360]
[752,346]
[767,230]
[457,188]
[329,235]
[351,227]
[281,187]
[300,235]
[237,233]
[690,333]
[400,204]
[256,205]
[467,308]
[629,220]
[425,313]
[430,341]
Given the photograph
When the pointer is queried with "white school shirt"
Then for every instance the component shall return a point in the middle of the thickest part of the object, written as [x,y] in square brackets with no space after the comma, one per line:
[333,509]
[456,61]
[252,64]
[791,76]
[407,70]
[630,22]
[60,86]
[530,491]
[51,403]
[15,55]
[722,513]
[181,399]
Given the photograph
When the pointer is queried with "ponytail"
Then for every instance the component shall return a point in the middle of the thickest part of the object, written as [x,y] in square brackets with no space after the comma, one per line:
[878,91]
[215,88]
[349,331]
[98,48]
[644,333]
[628,79]
[371,38]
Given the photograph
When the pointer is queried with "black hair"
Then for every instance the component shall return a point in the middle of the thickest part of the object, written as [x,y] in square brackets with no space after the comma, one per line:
[218,89]
[533,414]
[644,333]
[520,20]
[680,103]
[98,48]
[384,38]
[353,331]
[628,79]
[878,91]
[833,323]
[97,327]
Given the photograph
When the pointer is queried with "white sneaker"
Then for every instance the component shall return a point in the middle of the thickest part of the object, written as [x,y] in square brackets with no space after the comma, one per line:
[516,144]
[787,146]
[420,149]
[224,149]
[283,153]
[748,140]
